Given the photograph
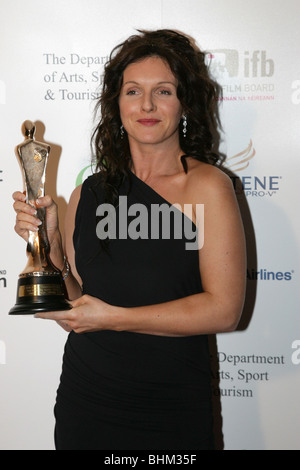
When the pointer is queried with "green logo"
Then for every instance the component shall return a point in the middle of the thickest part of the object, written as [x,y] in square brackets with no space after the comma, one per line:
[82,176]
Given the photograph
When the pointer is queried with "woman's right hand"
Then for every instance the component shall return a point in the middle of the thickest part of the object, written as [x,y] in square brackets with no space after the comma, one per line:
[26,219]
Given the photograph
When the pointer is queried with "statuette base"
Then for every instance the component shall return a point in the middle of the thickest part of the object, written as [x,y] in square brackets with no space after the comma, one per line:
[38,292]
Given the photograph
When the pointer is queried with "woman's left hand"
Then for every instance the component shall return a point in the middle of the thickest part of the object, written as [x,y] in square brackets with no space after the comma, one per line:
[87,314]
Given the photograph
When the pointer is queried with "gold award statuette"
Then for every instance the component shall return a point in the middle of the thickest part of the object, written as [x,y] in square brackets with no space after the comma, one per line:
[40,285]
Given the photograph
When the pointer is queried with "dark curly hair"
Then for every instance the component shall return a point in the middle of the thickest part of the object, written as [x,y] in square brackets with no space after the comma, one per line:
[196,91]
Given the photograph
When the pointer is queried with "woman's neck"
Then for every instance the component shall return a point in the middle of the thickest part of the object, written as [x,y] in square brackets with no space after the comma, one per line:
[150,160]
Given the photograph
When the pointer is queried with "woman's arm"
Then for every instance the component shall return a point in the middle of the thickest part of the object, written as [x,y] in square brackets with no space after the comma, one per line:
[73,281]
[26,221]
[223,272]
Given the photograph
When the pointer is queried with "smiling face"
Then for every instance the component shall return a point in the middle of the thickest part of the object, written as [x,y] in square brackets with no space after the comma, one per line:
[149,108]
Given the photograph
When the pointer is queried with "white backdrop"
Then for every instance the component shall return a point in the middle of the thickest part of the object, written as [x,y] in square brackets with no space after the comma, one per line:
[51,59]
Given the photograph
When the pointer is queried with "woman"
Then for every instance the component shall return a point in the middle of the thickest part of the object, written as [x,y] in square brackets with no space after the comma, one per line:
[136,369]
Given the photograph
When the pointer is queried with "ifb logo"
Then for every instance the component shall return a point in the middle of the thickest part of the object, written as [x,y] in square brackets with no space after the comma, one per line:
[246,64]
[2,353]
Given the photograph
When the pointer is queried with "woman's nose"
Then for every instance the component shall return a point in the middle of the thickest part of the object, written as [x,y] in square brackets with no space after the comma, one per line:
[148,103]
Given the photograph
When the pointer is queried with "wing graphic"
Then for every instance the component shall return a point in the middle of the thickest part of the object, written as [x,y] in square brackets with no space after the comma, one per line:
[240,161]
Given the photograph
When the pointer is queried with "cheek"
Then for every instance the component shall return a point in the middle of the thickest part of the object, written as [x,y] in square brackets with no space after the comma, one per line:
[172,108]
[126,109]
[175,113]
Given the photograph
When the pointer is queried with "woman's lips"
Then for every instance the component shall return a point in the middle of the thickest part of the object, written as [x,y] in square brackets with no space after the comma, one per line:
[148,122]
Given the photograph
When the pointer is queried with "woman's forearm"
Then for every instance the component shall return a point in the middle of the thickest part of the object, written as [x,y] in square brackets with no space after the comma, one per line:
[193,315]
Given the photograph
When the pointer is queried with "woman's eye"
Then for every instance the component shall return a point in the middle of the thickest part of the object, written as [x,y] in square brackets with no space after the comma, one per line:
[165,92]
[132,92]
[162,91]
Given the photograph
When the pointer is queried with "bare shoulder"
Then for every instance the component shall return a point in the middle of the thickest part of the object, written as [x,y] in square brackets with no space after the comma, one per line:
[208,181]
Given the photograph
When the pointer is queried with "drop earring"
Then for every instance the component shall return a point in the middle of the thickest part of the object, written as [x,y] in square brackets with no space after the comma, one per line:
[184,130]
[122,131]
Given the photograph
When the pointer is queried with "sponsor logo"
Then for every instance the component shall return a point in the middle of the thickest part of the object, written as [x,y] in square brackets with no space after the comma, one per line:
[3,281]
[241,160]
[246,64]
[244,75]
[256,186]
[266,275]
[83,174]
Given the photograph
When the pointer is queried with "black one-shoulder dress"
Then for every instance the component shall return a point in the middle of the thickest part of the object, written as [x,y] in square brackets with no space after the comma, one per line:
[125,390]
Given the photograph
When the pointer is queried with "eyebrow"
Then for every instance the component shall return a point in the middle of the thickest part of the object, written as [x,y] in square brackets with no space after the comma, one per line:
[159,83]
